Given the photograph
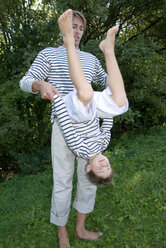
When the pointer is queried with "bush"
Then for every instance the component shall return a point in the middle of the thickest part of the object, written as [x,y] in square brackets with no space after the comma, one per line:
[143,70]
[31,163]
[25,118]
[144,76]
[25,129]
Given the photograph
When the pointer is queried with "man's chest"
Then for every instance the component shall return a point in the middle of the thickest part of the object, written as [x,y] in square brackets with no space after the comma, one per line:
[59,69]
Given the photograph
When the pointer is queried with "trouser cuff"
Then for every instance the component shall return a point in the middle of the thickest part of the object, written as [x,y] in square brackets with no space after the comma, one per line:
[59,221]
[83,208]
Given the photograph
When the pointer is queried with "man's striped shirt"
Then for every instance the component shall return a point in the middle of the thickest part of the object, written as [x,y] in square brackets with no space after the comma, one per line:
[51,65]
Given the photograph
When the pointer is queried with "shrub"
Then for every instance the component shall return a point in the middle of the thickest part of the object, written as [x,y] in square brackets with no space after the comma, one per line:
[25,129]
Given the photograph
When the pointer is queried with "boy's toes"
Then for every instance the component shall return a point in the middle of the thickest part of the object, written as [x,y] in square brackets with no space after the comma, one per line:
[114,29]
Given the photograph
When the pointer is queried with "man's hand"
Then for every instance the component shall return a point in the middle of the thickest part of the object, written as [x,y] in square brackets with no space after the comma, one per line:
[47,91]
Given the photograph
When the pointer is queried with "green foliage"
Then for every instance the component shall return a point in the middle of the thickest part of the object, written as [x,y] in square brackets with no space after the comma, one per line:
[130,212]
[26,27]
[144,76]
[22,129]
[29,163]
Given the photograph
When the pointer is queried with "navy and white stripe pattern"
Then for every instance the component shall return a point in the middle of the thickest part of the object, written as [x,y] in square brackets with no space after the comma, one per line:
[84,139]
[51,65]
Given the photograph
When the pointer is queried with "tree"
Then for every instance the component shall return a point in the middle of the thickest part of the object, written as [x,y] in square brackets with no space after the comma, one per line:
[26,27]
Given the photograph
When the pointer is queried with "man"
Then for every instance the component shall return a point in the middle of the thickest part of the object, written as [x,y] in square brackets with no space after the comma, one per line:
[51,63]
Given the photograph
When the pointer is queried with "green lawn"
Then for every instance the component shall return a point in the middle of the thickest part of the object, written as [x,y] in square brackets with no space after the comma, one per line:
[130,212]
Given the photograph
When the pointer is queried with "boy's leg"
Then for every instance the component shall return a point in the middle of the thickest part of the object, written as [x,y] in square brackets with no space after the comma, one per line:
[85,91]
[115,79]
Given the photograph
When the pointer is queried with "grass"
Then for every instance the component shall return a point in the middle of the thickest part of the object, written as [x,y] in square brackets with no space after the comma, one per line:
[130,212]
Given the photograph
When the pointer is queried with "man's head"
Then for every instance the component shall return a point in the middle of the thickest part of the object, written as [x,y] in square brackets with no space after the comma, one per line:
[99,170]
[79,26]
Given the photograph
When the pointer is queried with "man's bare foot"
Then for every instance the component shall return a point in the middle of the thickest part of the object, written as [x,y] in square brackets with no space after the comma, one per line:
[108,43]
[84,234]
[81,232]
[65,25]
[63,237]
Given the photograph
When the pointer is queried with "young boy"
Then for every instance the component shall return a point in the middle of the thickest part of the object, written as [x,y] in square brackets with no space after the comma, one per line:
[79,111]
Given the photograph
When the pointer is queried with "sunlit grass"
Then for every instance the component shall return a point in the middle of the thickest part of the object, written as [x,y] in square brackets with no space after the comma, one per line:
[130,212]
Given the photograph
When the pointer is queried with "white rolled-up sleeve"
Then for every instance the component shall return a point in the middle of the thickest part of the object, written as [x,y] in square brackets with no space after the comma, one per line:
[26,84]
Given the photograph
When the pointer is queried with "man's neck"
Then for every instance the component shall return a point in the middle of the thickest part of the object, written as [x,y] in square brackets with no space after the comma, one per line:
[76,47]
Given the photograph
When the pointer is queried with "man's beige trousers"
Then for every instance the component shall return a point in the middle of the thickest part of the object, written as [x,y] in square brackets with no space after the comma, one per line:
[63,162]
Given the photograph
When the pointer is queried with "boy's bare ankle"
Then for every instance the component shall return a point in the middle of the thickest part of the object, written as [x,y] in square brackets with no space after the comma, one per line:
[109,51]
[106,47]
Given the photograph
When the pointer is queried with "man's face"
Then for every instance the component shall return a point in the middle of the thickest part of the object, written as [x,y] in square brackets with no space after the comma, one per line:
[100,165]
[78,30]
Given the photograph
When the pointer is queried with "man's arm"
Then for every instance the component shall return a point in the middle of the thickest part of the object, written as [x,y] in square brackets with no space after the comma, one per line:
[33,81]
[100,77]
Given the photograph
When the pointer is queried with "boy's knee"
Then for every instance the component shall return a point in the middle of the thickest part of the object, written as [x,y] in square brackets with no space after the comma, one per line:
[85,96]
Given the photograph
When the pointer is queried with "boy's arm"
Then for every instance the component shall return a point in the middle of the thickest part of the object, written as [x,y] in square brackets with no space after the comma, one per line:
[106,126]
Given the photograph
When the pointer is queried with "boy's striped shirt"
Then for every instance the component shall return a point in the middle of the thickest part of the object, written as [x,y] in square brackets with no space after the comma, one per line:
[84,139]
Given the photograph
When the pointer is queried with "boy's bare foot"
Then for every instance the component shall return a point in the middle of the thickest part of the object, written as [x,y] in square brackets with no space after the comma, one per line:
[63,237]
[108,43]
[65,25]
[84,234]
